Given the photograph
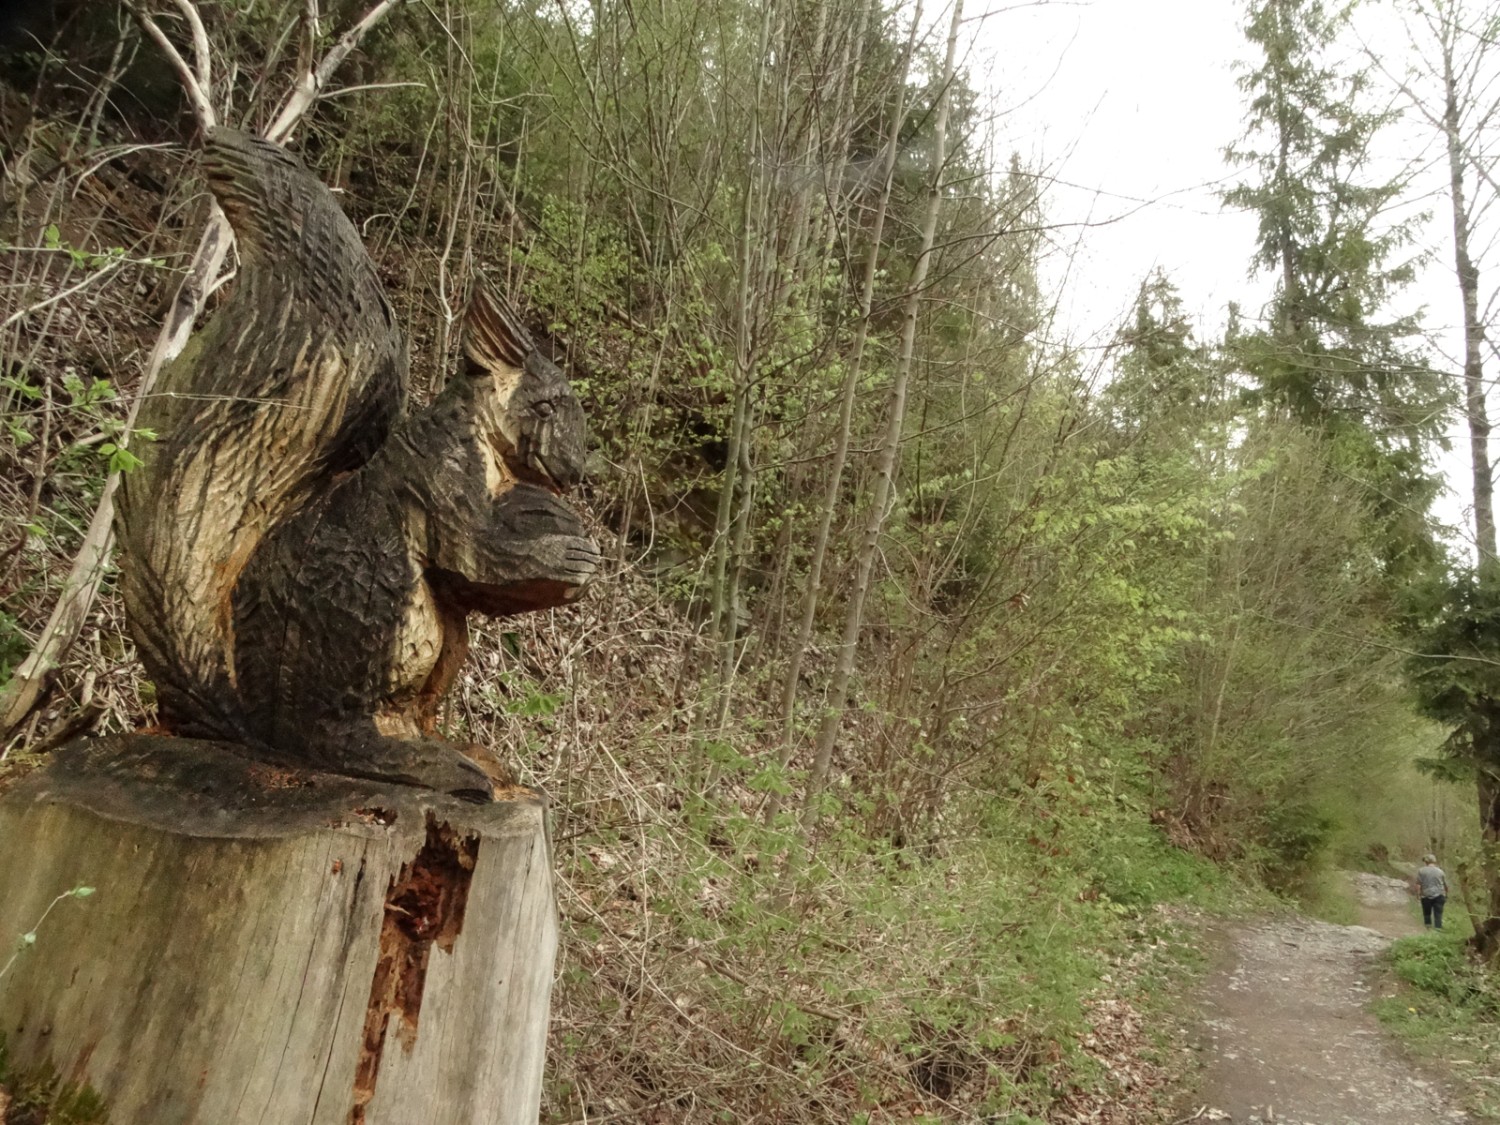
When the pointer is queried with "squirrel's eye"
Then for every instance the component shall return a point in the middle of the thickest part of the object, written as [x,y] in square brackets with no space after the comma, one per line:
[544,408]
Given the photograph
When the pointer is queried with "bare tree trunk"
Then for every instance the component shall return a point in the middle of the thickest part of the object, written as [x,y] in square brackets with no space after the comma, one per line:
[835,476]
[1487,919]
[1291,300]
[737,461]
[1468,286]
[888,457]
[1484,906]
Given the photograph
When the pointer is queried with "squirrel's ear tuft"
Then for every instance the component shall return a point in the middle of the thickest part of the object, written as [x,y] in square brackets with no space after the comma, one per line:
[493,333]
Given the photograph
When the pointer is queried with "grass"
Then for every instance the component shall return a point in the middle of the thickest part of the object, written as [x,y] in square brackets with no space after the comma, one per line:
[1446,1008]
[1024,971]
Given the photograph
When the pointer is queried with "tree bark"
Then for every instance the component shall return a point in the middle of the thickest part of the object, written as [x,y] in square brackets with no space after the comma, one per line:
[267,946]
[1444,22]
[1468,286]
[1485,912]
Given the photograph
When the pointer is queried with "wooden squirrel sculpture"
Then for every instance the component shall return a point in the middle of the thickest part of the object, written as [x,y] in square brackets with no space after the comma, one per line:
[300,557]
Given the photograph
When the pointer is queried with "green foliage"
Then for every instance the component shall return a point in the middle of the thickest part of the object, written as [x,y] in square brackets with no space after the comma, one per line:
[1326,353]
[981,994]
[14,645]
[1456,672]
[1439,964]
[1323,892]
[1448,1008]
[1330,352]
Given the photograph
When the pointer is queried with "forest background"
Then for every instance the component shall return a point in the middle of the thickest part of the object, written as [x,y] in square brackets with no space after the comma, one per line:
[937,650]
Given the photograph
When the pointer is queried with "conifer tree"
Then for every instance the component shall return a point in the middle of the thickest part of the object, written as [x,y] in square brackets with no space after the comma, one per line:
[1329,352]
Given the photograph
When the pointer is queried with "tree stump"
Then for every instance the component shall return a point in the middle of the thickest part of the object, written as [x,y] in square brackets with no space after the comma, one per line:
[274,947]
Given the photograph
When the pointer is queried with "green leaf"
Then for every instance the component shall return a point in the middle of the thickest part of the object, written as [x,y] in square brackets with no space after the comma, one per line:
[121,460]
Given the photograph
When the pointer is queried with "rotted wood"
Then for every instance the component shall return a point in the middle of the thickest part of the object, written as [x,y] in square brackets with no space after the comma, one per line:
[267,945]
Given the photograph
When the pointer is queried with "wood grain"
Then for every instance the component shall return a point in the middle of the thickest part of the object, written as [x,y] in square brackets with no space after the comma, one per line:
[300,556]
[268,946]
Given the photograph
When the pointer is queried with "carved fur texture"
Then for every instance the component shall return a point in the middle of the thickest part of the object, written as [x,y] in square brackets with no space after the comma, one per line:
[300,559]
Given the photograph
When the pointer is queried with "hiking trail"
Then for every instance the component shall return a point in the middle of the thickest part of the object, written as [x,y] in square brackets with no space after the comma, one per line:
[1286,1036]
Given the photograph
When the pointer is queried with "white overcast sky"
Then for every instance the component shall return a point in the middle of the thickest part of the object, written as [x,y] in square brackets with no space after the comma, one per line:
[1129,104]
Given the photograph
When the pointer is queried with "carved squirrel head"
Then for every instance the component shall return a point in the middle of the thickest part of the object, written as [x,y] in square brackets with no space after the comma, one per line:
[506,439]
[530,415]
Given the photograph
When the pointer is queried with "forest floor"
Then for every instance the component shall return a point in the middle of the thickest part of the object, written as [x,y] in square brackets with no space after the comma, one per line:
[1286,1033]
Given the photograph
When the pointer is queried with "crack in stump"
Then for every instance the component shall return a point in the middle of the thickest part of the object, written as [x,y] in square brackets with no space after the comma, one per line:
[423,907]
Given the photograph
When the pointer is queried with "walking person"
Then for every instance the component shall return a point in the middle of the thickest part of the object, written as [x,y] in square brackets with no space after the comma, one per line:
[1433,886]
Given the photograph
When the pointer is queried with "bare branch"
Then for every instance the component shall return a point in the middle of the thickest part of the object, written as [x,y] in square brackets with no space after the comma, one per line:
[307,51]
[310,86]
[312,28]
[201,66]
[88,279]
[203,109]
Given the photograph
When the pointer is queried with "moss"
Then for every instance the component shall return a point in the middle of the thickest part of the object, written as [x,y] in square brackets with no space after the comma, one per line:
[39,1097]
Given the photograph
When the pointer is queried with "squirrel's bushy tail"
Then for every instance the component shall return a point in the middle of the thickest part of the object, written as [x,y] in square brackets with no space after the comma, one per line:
[299,375]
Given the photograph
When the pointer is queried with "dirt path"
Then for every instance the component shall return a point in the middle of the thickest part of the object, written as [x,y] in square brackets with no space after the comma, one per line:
[1287,1038]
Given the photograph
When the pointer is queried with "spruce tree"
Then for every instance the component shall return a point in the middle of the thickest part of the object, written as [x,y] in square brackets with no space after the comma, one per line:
[1329,352]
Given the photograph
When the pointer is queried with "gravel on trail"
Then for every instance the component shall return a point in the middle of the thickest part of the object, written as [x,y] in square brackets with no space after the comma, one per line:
[1287,1037]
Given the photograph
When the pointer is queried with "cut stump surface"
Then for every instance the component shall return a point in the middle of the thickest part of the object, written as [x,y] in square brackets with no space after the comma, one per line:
[274,947]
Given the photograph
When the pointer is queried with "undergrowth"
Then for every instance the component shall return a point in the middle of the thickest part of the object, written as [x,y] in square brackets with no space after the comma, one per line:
[1008,977]
[1324,892]
[1447,1007]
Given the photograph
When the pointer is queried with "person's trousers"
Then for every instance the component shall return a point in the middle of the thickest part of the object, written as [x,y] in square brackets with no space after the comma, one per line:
[1432,911]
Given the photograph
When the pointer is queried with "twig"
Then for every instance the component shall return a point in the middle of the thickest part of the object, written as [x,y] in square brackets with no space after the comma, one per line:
[28,939]
[102,272]
[345,91]
[745,982]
